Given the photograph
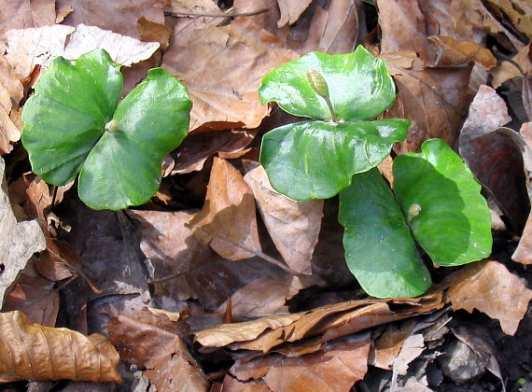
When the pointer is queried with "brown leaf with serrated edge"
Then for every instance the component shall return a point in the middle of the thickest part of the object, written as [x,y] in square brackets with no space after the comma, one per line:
[227,221]
[452,53]
[293,226]
[148,339]
[329,322]
[491,289]
[224,91]
[33,352]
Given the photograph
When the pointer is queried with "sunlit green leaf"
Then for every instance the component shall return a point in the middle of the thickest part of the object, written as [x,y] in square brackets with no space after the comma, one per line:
[442,202]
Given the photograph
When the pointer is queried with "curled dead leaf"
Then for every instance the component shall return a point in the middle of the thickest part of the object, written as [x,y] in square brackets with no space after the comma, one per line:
[33,352]
[452,53]
[491,289]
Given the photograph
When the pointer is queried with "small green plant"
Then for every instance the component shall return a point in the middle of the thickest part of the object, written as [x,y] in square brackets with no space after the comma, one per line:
[74,123]
[436,199]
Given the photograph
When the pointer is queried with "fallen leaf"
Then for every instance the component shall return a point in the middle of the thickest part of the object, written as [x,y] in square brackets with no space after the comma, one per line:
[331,321]
[147,340]
[519,12]
[32,46]
[227,221]
[119,16]
[452,53]
[412,348]
[18,240]
[508,70]
[232,384]
[388,346]
[489,287]
[20,14]
[33,352]
[36,297]
[198,147]
[335,369]
[11,92]
[293,226]
[151,31]
[291,10]
[225,91]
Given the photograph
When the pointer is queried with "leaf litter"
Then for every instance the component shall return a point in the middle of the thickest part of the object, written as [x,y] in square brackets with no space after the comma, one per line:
[228,284]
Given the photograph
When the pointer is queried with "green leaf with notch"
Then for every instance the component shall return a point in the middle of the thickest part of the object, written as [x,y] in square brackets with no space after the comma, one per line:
[74,123]
[317,159]
[379,248]
[357,84]
[444,207]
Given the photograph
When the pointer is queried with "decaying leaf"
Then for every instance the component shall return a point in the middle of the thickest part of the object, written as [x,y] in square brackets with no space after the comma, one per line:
[39,46]
[490,288]
[508,70]
[11,91]
[334,369]
[291,10]
[20,14]
[388,346]
[33,352]
[225,90]
[148,340]
[227,221]
[452,53]
[18,240]
[328,322]
[293,226]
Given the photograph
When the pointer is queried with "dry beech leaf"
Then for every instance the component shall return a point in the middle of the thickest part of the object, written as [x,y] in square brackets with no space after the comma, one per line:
[33,352]
[507,70]
[291,10]
[222,67]
[20,14]
[36,297]
[40,45]
[388,346]
[452,52]
[227,221]
[152,31]
[120,16]
[335,368]
[148,340]
[232,384]
[329,322]
[491,289]
[293,226]
[198,147]
[11,92]
[412,348]
[18,240]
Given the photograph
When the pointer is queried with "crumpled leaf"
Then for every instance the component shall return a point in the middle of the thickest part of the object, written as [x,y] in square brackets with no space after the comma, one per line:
[358,86]
[452,53]
[39,46]
[334,369]
[291,10]
[317,159]
[379,248]
[489,287]
[293,226]
[227,221]
[33,352]
[443,205]
[225,91]
[11,92]
[507,70]
[18,240]
[328,322]
[148,340]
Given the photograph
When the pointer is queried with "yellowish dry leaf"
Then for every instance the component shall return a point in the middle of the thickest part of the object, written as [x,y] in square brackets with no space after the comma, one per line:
[33,352]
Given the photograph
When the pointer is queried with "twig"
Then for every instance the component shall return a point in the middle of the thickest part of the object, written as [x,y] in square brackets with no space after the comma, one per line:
[209,15]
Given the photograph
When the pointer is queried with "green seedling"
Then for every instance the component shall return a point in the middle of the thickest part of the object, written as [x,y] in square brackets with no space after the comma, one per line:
[436,200]
[75,126]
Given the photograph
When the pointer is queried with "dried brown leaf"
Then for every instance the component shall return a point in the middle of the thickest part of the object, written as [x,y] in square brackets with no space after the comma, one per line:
[489,287]
[222,67]
[152,31]
[452,53]
[33,352]
[293,226]
[20,14]
[148,340]
[227,221]
[11,92]
[18,240]
[291,10]
[388,346]
[508,70]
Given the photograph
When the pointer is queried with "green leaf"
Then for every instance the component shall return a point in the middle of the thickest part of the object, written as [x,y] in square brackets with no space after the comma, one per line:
[358,84]
[124,168]
[442,201]
[379,248]
[316,159]
[66,115]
